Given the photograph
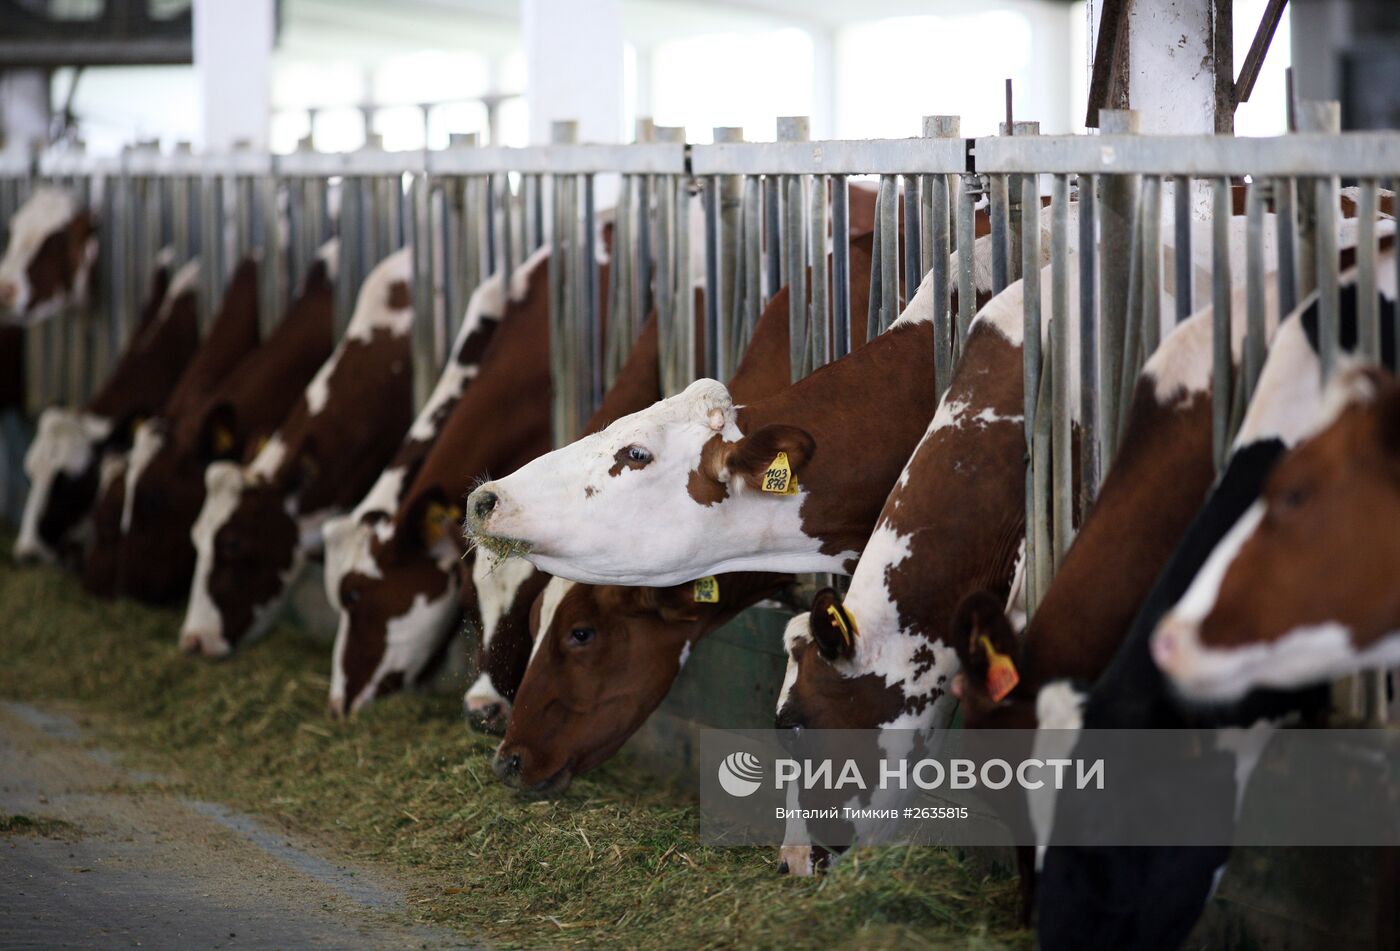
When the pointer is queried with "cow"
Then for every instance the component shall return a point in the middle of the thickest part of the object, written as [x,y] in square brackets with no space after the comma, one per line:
[697,463]
[66,458]
[1112,897]
[641,634]
[260,521]
[49,258]
[507,630]
[233,395]
[1303,588]
[391,566]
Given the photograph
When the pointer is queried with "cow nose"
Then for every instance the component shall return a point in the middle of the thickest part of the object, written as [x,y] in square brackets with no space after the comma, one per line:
[8,293]
[190,643]
[483,503]
[1167,643]
[336,707]
[506,766]
[489,718]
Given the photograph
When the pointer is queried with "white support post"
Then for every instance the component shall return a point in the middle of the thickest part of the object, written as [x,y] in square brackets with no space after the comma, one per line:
[1180,60]
[24,109]
[573,55]
[233,60]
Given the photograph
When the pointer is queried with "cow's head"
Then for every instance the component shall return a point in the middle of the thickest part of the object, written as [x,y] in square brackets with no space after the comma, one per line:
[604,658]
[164,495]
[828,685]
[396,593]
[583,511]
[63,465]
[46,264]
[497,597]
[247,552]
[1303,589]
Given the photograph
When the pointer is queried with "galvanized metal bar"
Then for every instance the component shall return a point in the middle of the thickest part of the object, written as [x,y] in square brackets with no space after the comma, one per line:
[271,274]
[210,250]
[1118,195]
[426,334]
[1001,239]
[645,229]
[1092,362]
[913,236]
[685,287]
[665,283]
[1184,271]
[772,236]
[937,215]
[1255,275]
[1328,299]
[1151,264]
[887,234]
[820,322]
[1286,219]
[872,308]
[794,270]
[967,299]
[1062,494]
[842,333]
[1316,123]
[830,157]
[1222,370]
[351,242]
[593,326]
[618,322]
[1132,345]
[753,256]
[715,357]
[507,237]
[1031,371]
[493,258]
[729,211]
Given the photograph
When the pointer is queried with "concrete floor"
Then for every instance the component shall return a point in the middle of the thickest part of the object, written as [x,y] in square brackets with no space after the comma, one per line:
[137,867]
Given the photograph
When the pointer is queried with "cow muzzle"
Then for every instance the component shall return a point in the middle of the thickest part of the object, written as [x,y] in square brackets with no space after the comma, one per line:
[9,295]
[488,716]
[204,644]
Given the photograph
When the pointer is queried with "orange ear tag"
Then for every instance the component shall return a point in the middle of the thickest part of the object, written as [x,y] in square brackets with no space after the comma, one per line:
[707,590]
[223,440]
[1002,677]
[779,479]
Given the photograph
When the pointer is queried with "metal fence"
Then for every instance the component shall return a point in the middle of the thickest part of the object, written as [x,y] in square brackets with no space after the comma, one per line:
[761,214]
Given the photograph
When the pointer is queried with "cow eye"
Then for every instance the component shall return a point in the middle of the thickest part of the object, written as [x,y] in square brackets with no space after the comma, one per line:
[231,546]
[351,597]
[1291,499]
[581,635]
[638,455]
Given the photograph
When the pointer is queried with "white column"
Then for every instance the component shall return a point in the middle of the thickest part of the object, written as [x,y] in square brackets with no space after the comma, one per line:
[573,55]
[24,108]
[233,60]
[824,82]
[1171,66]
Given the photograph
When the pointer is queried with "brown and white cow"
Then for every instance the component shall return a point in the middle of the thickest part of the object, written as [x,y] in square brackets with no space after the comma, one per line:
[65,461]
[642,636]
[233,396]
[1303,589]
[391,566]
[48,260]
[260,521]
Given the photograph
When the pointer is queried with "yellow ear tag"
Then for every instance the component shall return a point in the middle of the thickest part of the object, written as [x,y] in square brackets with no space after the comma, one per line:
[845,623]
[779,479]
[1002,677]
[262,442]
[707,590]
[223,440]
[436,518]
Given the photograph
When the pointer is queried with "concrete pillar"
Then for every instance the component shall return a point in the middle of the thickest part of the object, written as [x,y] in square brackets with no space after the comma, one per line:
[24,108]
[1181,66]
[233,61]
[824,82]
[573,56]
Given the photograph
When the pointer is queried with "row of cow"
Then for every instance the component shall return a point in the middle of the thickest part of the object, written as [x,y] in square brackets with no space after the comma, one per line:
[212,468]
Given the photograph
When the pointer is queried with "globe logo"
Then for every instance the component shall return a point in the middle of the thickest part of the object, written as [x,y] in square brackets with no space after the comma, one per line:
[740,774]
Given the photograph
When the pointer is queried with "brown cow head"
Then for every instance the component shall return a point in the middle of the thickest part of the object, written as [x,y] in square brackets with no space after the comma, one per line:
[604,658]
[1304,588]
[52,247]
[989,656]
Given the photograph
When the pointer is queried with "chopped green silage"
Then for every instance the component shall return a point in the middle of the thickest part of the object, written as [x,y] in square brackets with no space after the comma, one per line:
[409,787]
[35,825]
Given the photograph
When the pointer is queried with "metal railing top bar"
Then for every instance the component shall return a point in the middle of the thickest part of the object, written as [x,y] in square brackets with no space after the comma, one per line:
[1351,154]
[645,158]
[921,156]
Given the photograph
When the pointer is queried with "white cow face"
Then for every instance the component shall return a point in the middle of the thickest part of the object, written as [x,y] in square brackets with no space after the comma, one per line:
[658,498]
[63,467]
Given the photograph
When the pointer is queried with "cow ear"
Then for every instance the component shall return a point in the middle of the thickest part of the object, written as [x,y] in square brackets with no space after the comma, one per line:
[770,459]
[676,604]
[986,645]
[833,627]
[307,468]
[435,523]
[218,439]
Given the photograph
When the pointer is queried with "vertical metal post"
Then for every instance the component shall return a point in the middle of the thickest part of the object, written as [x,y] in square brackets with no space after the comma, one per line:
[592,327]
[1093,394]
[685,289]
[793,188]
[730,337]
[820,322]
[1061,433]
[1326,117]
[1151,265]
[1328,293]
[619,312]
[1031,357]
[428,338]
[1119,197]
[1286,219]
[714,356]
[772,236]
[350,249]
[1183,268]
[967,242]
[842,333]
[887,235]
[753,256]
[1255,276]
[1221,368]
[1368,309]
[998,199]
[271,276]
[936,250]
[913,234]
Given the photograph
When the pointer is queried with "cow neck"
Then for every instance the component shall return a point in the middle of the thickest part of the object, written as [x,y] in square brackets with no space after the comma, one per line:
[866,412]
